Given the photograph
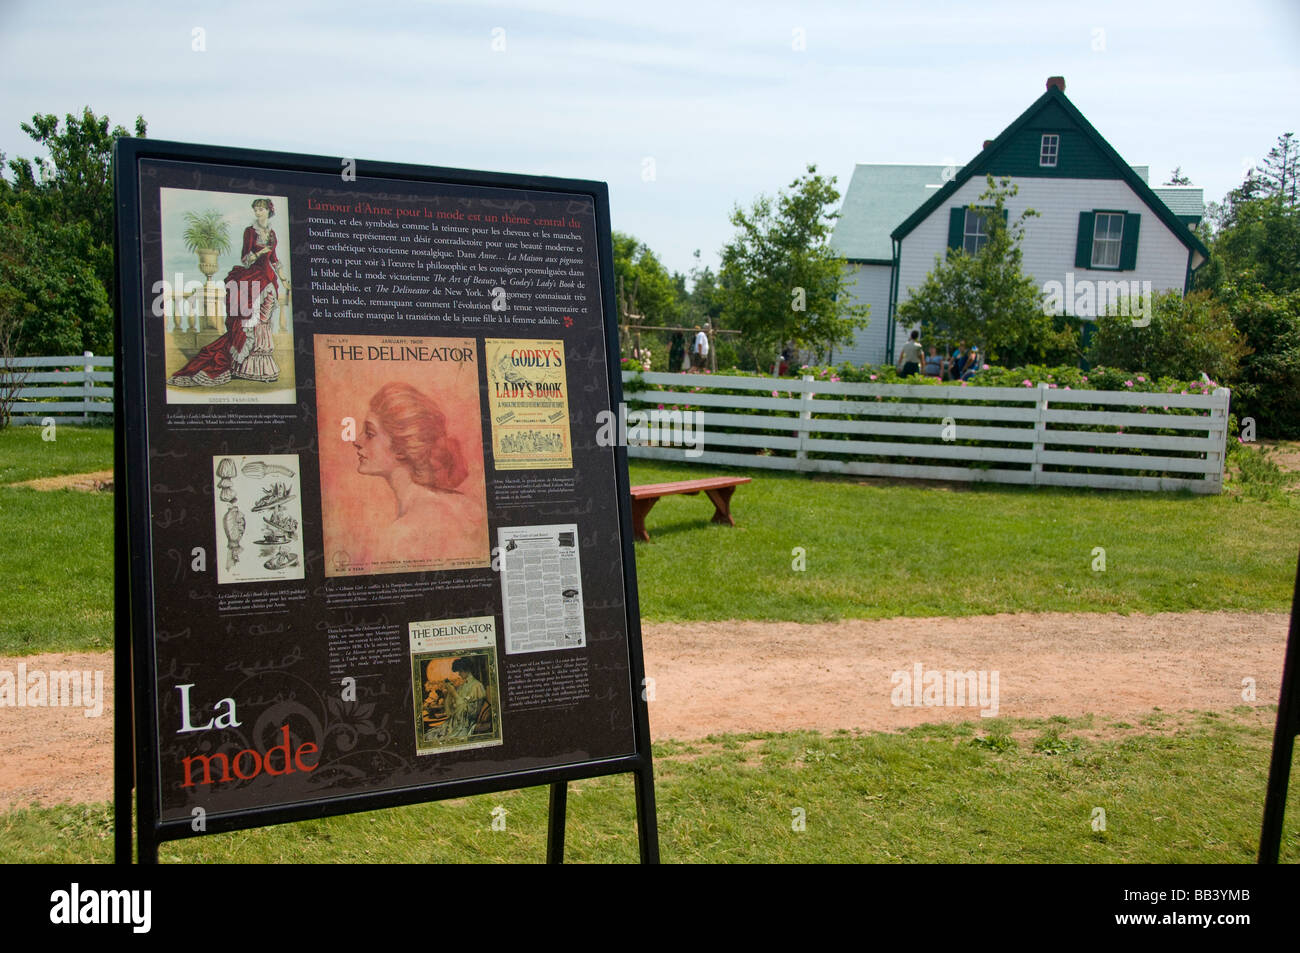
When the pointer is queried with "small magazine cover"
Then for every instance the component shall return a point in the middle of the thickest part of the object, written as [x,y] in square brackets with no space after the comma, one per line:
[455,684]
[528,397]
[401,454]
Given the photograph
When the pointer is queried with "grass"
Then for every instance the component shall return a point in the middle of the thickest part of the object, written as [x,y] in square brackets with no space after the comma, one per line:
[878,551]
[57,570]
[870,551]
[58,566]
[1187,789]
[24,455]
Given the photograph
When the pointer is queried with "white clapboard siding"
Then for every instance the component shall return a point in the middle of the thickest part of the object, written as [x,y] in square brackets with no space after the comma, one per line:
[34,390]
[1039,425]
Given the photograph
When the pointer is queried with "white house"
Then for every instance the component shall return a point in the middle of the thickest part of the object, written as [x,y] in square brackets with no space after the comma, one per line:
[1100,226]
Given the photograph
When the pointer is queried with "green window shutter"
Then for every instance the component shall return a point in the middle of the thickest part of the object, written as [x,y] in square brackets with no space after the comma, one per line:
[956,227]
[1004,216]
[1128,249]
[1083,249]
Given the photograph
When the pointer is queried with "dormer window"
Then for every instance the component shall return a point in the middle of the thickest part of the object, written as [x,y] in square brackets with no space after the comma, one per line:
[1050,149]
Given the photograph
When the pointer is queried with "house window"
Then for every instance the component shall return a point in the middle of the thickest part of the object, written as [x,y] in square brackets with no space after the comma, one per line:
[1051,148]
[976,234]
[1107,238]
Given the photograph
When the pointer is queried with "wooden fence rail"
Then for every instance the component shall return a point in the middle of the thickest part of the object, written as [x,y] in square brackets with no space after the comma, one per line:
[64,388]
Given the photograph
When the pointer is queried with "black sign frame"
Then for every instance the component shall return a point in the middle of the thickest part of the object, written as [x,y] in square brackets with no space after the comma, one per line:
[1284,734]
[136,759]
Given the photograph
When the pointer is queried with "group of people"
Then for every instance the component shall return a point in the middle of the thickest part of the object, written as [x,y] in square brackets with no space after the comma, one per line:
[698,357]
[960,366]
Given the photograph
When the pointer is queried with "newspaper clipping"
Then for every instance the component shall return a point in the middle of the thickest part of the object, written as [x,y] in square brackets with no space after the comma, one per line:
[528,396]
[541,584]
[455,684]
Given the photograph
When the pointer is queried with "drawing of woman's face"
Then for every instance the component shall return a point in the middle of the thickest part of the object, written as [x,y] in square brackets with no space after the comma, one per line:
[374,448]
[263,214]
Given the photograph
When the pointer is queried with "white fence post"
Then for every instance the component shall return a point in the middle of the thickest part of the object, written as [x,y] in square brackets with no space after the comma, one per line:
[87,385]
[1040,431]
[806,399]
[1214,460]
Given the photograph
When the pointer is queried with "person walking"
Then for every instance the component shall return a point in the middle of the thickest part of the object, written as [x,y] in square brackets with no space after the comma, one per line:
[910,356]
[699,349]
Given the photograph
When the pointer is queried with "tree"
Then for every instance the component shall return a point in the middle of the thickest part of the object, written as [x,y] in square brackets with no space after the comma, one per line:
[50,285]
[1255,232]
[780,282]
[703,303]
[986,297]
[56,225]
[1177,178]
[645,279]
[1268,386]
[1281,167]
[1254,271]
[1186,337]
[75,184]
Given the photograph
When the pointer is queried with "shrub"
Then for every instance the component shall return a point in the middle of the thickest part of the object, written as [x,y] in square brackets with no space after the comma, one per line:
[1185,338]
[1268,385]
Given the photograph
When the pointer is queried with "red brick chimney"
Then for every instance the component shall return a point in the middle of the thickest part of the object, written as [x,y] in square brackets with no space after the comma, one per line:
[987,143]
[1057,81]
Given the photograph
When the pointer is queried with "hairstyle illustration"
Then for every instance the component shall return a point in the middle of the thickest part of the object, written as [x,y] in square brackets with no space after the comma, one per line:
[418,431]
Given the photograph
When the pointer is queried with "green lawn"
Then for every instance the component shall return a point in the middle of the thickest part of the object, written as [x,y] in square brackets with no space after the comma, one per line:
[869,551]
[922,550]
[1185,789]
[24,455]
[57,569]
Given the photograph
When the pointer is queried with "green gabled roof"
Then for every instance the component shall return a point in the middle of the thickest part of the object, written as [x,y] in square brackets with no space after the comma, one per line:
[1052,111]
[877,199]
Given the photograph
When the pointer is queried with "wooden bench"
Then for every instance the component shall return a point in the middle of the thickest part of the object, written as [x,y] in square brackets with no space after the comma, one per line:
[719,490]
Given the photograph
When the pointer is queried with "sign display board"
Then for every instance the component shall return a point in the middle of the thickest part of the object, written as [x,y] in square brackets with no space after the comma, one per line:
[376,552]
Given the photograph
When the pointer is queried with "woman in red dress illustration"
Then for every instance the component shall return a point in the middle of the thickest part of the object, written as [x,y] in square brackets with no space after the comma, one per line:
[246,350]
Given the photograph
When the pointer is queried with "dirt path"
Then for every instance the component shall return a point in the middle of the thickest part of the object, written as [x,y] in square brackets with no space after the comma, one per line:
[752,676]
[89,482]
[761,676]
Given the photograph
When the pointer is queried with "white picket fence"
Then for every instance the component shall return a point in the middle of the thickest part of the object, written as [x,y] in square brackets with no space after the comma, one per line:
[957,427]
[60,387]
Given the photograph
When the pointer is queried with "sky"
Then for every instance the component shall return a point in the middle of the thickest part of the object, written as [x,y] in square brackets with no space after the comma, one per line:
[686,109]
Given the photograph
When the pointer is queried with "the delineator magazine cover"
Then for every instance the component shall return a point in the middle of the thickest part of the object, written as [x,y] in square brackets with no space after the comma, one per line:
[455,684]
[401,454]
[528,396]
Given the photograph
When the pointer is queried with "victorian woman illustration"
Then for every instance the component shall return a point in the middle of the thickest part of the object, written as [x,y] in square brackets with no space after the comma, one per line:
[405,440]
[246,350]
